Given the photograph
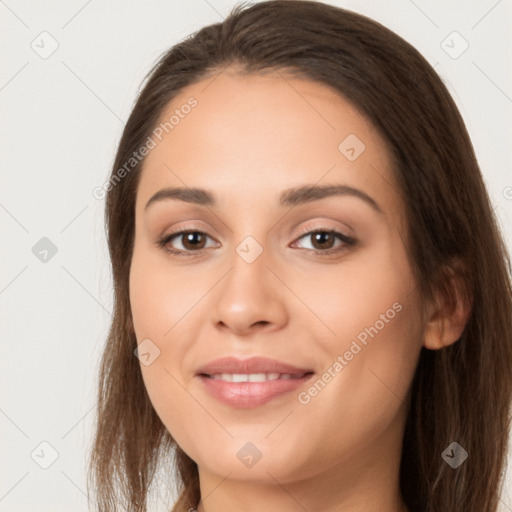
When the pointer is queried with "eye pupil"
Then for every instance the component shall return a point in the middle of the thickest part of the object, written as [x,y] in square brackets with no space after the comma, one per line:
[321,237]
[191,237]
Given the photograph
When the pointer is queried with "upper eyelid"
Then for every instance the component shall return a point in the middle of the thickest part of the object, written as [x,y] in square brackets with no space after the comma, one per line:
[308,231]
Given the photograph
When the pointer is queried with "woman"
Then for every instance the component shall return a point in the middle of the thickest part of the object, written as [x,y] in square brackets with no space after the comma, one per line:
[340,340]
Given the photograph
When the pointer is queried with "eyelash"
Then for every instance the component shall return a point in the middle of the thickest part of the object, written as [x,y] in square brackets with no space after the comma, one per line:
[348,242]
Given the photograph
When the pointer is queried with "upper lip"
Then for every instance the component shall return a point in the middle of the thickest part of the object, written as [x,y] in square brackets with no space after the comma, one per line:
[251,365]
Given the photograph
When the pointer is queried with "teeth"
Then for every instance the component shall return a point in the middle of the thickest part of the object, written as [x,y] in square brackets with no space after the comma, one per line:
[257,377]
[253,377]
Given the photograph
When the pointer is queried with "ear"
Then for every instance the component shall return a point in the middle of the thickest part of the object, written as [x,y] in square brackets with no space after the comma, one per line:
[448,315]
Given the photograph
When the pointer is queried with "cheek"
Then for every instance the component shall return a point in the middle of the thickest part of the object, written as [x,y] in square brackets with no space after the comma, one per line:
[160,298]
[167,310]
[369,296]
[373,315]
[365,383]
[160,315]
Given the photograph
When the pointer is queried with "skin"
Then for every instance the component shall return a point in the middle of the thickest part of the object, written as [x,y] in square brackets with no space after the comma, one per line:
[249,138]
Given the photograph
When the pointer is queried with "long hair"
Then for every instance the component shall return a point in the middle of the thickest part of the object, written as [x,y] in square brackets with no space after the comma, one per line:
[461,392]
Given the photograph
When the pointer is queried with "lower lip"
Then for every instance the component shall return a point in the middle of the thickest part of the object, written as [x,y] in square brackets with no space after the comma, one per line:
[246,395]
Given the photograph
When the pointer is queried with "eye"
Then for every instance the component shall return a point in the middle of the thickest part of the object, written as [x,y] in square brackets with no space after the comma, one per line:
[191,241]
[324,240]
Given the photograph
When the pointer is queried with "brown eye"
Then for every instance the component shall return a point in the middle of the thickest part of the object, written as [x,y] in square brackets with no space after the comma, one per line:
[191,241]
[324,240]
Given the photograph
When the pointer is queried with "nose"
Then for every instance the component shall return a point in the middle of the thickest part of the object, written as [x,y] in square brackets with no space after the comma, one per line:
[250,298]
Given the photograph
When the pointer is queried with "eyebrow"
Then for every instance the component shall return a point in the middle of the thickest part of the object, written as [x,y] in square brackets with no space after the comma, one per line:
[289,197]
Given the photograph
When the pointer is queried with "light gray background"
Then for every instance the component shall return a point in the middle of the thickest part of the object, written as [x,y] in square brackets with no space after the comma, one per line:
[62,118]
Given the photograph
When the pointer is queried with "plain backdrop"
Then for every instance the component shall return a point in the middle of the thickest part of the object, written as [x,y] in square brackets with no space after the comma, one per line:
[69,75]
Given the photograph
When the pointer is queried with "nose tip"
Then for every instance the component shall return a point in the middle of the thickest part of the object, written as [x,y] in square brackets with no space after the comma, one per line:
[240,327]
[248,301]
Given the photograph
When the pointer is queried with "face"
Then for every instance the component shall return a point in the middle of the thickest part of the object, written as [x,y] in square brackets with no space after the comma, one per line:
[317,280]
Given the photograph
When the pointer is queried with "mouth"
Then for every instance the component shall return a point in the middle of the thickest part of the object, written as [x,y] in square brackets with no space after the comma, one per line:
[251,382]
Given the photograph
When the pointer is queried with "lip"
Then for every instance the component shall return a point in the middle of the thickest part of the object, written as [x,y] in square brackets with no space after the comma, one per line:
[247,395]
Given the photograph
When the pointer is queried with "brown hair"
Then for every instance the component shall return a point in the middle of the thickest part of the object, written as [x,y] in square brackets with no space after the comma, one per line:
[459,393]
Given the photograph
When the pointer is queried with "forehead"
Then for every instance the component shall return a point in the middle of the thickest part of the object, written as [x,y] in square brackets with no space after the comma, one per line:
[260,134]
